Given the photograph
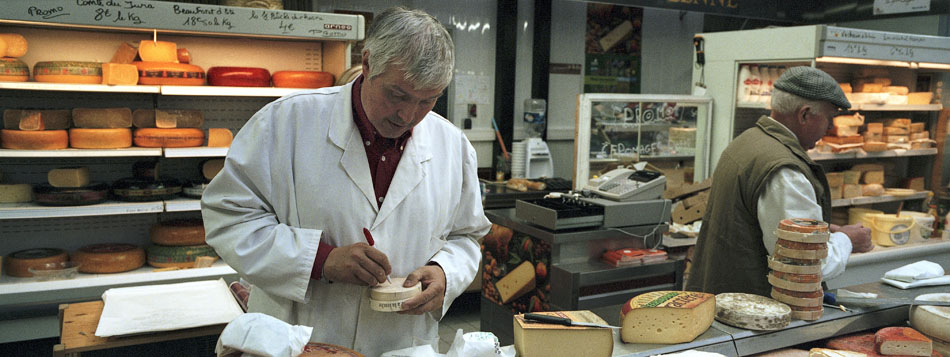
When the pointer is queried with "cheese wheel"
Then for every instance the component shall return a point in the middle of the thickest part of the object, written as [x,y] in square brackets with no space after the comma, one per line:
[791,285]
[932,320]
[807,313]
[68,177]
[158,51]
[68,72]
[817,237]
[135,189]
[34,140]
[825,352]
[387,305]
[803,225]
[161,256]
[902,341]
[302,79]
[16,193]
[753,312]
[16,45]
[168,138]
[317,349]
[120,74]
[170,73]
[395,290]
[790,244]
[18,263]
[48,195]
[777,265]
[100,138]
[55,119]
[667,317]
[219,137]
[239,76]
[794,261]
[210,168]
[872,189]
[798,298]
[13,70]
[797,278]
[102,118]
[804,254]
[178,232]
[109,258]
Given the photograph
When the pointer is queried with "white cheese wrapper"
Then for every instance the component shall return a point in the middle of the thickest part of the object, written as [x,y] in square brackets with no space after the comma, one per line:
[262,335]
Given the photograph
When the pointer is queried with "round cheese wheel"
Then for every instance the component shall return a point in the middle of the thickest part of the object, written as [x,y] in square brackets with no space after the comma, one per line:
[387,291]
[804,225]
[178,232]
[933,321]
[13,70]
[777,265]
[100,138]
[109,258]
[797,278]
[34,140]
[816,237]
[168,138]
[799,245]
[791,285]
[807,315]
[161,256]
[316,349]
[797,298]
[302,79]
[91,194]
[239,76]
[794,261]
[805,254]
[136,189]
[68,72]
[753,312]
[18,263]
[170,73]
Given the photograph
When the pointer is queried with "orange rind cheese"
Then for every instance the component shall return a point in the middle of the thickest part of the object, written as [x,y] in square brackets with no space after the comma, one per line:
[168,138]
[34,140]
[109,258]
[100,138]
[68,72]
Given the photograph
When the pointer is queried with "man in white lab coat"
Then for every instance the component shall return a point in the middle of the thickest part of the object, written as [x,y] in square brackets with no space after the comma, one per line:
[309,171]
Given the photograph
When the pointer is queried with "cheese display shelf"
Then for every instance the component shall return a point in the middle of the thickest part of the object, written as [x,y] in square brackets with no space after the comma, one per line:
[81,152]
[154,89]
[66,87]
[32,210]
[866,107]
[846,202]
[823,156]
[202,151]
[183,205]
[227,91]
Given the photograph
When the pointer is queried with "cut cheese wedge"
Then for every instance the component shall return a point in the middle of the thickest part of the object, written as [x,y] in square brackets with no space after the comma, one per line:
[158,51]
[125,54]
[120,74]
[34,140]
[16,193]
[516,283]
[667,317]
[68,177]
[100,138]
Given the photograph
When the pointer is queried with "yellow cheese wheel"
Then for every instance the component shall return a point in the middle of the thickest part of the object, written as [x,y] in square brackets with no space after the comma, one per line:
[158,51]
[16,45]
[34,140]
[170,73]
[18,263]
[168,138]
[100,138]
[109,258]
[13,70]
[178,232]
[68,72]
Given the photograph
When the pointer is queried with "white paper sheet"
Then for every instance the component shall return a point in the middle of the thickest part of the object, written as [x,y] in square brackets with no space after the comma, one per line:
[166,307]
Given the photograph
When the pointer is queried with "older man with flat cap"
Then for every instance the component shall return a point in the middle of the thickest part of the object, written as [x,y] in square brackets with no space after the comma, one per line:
[765,176]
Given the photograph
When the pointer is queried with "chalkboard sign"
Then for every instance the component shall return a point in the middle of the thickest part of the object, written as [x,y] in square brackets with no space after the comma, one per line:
[159,15]
[855,43]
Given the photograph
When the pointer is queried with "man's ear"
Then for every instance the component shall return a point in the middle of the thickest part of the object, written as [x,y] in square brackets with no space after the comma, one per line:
[365,62]
[803,114]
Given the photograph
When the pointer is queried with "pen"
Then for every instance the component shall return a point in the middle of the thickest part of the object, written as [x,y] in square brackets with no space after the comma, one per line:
[369,239]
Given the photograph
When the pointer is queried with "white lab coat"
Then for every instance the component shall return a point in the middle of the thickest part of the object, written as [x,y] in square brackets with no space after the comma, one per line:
[297,173]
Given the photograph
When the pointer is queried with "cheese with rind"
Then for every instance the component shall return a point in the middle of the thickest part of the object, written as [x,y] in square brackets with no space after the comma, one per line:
[933,321]
[753,312]
[18,263]
[13,70]
[102,118]
[667,317]
[100,138]
[158,51]
[902,341]
[34,140]
[824,352]
[120,74]
[68,177]
[220,137]
[16,193]
[53,119]
[16,45]
[68,72]
[109,258]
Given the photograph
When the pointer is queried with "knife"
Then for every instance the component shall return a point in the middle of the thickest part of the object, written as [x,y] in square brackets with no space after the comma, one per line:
[548,319]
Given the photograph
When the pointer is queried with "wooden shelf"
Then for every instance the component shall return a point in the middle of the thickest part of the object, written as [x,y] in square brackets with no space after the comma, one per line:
[856,201]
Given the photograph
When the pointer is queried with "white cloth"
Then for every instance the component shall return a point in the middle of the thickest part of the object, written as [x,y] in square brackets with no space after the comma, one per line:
[788,194]
[912,272]
[297,174]
[258,334]
[943,280]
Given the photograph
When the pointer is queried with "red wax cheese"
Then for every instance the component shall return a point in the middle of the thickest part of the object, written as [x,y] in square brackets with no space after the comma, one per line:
[239,76]
[302,79]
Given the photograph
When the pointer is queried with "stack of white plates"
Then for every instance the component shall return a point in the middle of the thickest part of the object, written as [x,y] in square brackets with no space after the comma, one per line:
[518,159]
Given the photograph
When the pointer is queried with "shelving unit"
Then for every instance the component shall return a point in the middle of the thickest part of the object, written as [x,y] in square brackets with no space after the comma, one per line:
[861,154]
[856,201]
[272,39]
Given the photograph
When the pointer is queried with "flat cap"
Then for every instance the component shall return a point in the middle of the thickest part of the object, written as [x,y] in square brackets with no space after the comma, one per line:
[812,83]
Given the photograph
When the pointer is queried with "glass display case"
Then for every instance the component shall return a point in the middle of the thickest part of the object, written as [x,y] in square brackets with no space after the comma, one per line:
[620,129]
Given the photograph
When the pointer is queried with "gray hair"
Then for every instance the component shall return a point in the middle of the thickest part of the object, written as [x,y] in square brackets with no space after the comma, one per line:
[414,41]
[786,103]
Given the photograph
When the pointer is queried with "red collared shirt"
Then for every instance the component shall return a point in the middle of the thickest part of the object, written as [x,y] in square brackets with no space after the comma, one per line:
[383,155]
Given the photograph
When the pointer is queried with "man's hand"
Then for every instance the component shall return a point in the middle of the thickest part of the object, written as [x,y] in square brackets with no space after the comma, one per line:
[433,290]
[860,237]
[358,264]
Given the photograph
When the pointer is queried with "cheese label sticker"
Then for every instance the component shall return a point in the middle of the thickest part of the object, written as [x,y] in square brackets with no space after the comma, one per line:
[672,299]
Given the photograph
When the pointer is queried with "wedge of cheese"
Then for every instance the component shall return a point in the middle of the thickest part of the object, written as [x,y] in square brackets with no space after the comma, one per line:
[518,282]
[68,177]
[158,51]
[120,74]
[667,317]
[902,341]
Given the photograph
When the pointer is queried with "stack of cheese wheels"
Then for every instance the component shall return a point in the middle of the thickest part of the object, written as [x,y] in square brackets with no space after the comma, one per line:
[18,263]
[317,349]
[667,317]
[161,64]
[796,266]
[109,258]
[168,128]
[388,297]
[752,312]
[35,129]
[101,128]
[178,243]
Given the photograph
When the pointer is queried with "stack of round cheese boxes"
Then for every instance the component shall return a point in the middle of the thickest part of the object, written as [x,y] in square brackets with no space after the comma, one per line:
[795,266]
